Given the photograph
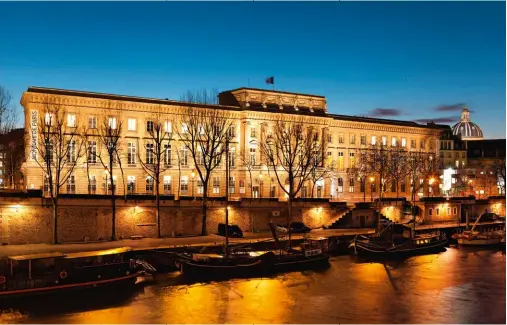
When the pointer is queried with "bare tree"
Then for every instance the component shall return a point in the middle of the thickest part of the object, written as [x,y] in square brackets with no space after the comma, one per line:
[289,153]
[360,170]
[8,116]
[203,132]
[156,147]
[109,134]
[247,162]
[59,149]
[320,169]
[499,172]
[397,166]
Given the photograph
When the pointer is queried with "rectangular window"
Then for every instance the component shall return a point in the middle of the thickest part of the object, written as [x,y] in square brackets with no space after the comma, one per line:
[404,142]
[200,187]
[92,152]
[71,184]
[184,128]
[431,145]
[149,126]
[252,156]
[71,151]
[455,211]
[184,184]
[363,140]
[232,185]
[48,119]
[149,184]
[216,185]
[242,186]
[184,156]
[92,184]
[340,138]
[438,211]
[351,185]
[412,144]
[384,140]
[340,160]
[373,140]
[430,211]
[394,141]
[448,211]
[362,187]
[340,185]
[150,156]
[422,147]
[352,138]
[329,138]
[232,157]
[131,184]
[253,132]
[232,132]
[131,124]
[352,160]
[393,186]
[112,122]
[92,122]
[168,128]
[167,154]
[131,154]
[167,184]
[402,186]
[71,120]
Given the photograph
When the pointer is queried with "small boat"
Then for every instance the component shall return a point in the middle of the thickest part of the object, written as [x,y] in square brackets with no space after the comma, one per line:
[480,238]
[311,254]
[392,243]
[218,266]
[52,273]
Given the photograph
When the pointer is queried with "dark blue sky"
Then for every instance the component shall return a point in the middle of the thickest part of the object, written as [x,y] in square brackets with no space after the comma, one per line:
[412,57]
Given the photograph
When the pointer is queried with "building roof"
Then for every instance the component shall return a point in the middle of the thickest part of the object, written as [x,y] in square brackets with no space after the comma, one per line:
[273,91]
[229,106]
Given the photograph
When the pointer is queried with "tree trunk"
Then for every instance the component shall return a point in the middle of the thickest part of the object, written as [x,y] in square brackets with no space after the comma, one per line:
[289,219]
[364,188]
[204,209]
[113,201]
[158,208]
[251,185]
[55,221]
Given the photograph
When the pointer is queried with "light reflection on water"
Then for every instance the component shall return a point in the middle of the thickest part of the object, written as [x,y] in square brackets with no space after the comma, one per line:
[458,286]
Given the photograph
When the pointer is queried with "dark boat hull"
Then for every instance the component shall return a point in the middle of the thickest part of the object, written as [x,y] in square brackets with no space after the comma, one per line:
[123,282]
[373,251]
[194,269]
[300,262]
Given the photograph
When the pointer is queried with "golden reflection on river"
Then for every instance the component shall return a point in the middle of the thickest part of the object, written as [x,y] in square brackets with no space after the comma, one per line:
[457,286]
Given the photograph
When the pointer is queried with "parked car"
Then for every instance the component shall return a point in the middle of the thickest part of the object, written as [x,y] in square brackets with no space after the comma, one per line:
[296,227]
[489,216]
[232,231]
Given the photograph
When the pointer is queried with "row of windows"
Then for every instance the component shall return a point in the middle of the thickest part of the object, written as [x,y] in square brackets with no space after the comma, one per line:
[438,210]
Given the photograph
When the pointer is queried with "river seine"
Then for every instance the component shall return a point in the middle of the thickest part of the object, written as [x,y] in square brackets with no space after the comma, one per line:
[458,286]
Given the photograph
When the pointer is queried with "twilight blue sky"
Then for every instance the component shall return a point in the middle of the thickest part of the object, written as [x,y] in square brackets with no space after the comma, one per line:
[411,57]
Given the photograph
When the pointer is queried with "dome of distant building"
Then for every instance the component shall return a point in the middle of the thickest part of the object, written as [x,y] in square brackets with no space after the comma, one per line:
[467,129]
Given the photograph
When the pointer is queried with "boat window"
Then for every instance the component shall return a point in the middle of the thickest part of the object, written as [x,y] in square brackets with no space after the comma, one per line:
[438,211]
[430,211]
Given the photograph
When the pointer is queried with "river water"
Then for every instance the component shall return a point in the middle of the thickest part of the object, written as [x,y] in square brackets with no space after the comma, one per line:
[457,286]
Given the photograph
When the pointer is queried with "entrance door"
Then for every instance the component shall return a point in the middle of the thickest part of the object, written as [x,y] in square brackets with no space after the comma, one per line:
[362,221]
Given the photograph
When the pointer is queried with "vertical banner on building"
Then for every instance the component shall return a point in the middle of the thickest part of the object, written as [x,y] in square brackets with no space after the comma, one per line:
[33,135]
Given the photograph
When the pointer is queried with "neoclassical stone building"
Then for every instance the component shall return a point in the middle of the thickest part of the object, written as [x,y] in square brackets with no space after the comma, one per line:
[251,110]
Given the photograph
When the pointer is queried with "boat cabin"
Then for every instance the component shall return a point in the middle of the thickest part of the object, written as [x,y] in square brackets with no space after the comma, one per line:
[315,246]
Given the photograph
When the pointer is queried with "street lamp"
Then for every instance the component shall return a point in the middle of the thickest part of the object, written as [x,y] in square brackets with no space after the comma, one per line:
[193,180]
[106,174]
[260,186]
[431,185]
[372,180]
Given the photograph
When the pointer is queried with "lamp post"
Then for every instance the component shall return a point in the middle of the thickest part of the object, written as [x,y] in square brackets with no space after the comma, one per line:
[372,180]
[193,180]
[106,173]
[260,186]
[471,187]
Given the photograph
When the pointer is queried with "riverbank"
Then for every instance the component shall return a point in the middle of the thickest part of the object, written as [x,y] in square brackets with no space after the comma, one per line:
[199,241]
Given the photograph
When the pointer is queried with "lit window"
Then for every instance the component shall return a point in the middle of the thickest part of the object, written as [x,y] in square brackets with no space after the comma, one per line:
[404,142]
[184,128]
[92,122]
[167,184]
[363,140]
[393,141]
[131,184]
[48,119]
[168,127]
[131,124]
[149,126]
[216,185]
[112,122]
[373,140]
[384,141]
[71,120]
[131,154]
[340,138]
[430,211]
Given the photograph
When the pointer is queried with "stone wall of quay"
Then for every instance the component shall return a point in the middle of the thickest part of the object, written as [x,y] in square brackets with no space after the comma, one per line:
[30,220]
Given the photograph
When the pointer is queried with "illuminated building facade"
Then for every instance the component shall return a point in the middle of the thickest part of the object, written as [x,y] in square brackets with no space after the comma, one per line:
[252,111]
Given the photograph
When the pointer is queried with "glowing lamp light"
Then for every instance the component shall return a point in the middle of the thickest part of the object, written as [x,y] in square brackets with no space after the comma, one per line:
[319,209]
[17,206]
